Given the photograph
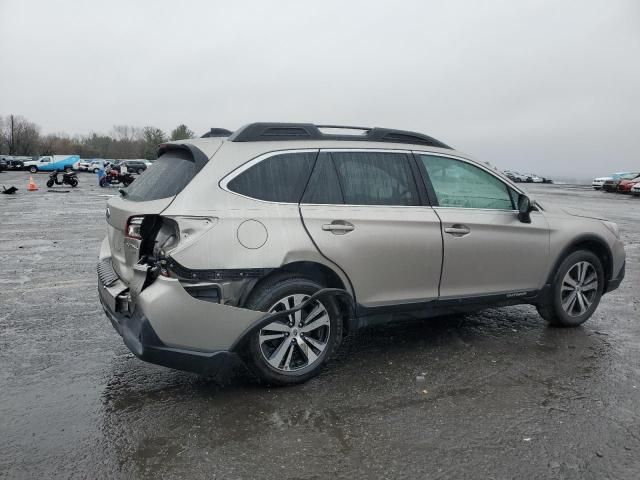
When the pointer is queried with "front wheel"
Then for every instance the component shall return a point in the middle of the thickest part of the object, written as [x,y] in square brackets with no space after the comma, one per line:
[103,182]
[33,169]
[49,183]
[295,348]
[576,290]
[73,182]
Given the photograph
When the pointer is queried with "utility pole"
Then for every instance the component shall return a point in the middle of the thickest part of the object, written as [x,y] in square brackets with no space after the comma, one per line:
[11,138]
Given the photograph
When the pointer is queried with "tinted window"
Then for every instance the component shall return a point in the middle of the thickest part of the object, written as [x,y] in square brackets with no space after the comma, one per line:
[280,178]
[323,187]
[460,184]
[375,178]
[168,176]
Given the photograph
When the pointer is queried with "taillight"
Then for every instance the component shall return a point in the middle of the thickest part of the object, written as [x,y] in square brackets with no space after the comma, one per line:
[133,228]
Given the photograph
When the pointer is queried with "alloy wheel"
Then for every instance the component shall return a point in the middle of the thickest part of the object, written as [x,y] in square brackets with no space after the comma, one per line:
[579,289]
[298,340]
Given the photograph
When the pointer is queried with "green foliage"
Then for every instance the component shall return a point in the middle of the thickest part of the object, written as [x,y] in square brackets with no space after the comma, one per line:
[181,132]
[152,138]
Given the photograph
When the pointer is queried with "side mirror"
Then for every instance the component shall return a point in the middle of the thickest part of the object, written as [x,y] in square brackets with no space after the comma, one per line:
[524,209]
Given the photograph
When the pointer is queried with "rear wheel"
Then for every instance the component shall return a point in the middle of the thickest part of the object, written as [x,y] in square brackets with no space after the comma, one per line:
[576,290]
[33,169]
[295,348]
[140,171]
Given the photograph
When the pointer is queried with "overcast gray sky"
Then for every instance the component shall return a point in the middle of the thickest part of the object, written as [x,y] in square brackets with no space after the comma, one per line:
[550,87]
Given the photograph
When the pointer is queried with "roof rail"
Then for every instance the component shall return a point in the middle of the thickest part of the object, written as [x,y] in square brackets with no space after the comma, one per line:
[217,132]
[268,131]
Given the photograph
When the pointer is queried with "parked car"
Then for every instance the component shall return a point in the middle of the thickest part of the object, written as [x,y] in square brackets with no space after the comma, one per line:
[635,190]
[52,162]
[612,185]
[516,177]
[83,165]
[3,165]
[598,182]
[97,165]
[137,166]
[533,178]
[625,186]
[274,243]
[14,164]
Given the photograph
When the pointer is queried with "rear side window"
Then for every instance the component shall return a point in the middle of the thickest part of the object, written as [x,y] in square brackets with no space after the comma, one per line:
[279,178]
[324,186]
[166,178]
[376,178]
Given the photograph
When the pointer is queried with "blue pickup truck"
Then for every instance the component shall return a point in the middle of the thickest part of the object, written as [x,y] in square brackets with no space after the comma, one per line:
[51,163]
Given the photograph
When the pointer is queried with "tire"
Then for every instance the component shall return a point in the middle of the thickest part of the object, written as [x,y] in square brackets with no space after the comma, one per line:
[33,169]
[140,171]
[49,183]
[96,170]
[273,296]
[73,182]
[581,302]
[103,182]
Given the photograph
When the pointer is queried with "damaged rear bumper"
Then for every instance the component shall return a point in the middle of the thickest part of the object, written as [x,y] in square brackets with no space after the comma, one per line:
[162,324]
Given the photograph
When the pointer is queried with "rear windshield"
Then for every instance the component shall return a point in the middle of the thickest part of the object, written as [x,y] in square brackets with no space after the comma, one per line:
[165,178]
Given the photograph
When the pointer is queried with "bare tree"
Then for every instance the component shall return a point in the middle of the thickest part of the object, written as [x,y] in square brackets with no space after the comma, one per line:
[19,136]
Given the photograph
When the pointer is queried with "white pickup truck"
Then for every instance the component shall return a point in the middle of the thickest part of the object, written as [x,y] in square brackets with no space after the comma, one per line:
[52,162]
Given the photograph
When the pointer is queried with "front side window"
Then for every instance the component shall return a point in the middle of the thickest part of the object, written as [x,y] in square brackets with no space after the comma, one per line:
[460,184]
[375,178]
[279,178]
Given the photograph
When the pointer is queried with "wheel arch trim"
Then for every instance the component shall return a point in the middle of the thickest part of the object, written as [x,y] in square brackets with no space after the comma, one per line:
[586,240]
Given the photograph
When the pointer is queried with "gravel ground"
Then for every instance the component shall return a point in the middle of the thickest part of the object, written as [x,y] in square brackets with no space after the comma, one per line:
[503,395]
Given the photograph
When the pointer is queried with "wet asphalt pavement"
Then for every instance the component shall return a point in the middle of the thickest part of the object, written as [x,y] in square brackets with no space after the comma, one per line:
[503,395]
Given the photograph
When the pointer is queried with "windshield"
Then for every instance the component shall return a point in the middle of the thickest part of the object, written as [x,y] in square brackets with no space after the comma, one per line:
[628,176]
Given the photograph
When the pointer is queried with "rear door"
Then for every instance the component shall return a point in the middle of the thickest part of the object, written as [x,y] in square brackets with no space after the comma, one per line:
[487,250]
[363,210]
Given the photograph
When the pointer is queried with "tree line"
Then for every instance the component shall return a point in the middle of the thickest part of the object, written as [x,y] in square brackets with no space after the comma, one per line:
[21,137]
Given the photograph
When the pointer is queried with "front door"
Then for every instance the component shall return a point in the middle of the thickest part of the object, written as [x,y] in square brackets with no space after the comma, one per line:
[487,250]
[363,211]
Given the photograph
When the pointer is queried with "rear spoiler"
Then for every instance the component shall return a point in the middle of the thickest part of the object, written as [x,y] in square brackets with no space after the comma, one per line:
[186,151]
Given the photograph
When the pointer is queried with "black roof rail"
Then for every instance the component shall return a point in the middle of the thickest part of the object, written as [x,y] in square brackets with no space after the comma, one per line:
[266,131]
[217,132]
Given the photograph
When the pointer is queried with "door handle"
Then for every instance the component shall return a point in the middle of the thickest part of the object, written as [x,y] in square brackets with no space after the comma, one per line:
[457,230]
[338,227]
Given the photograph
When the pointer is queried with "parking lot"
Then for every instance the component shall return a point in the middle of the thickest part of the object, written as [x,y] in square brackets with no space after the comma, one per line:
[502,395]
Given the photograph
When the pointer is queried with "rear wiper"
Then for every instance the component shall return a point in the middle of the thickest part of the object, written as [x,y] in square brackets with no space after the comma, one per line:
[123,192]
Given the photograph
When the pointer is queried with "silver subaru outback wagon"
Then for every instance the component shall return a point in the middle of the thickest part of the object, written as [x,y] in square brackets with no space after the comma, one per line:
[274,242]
